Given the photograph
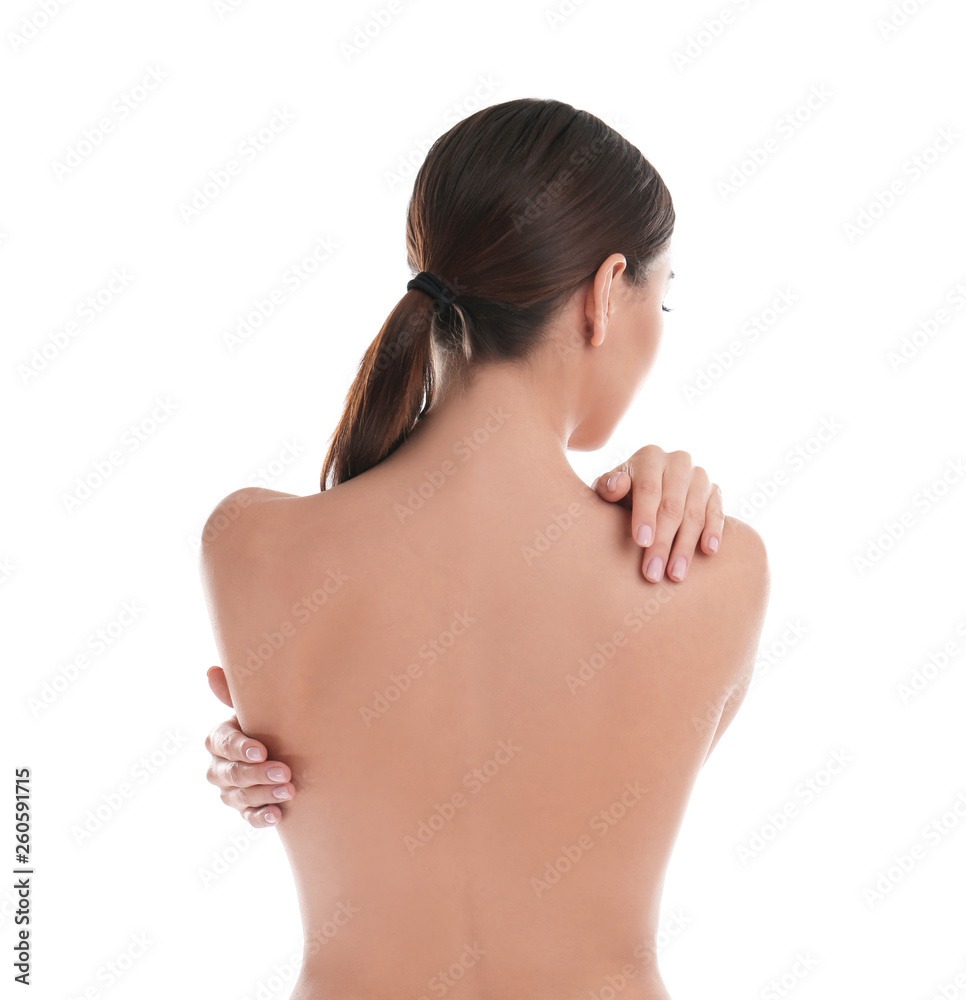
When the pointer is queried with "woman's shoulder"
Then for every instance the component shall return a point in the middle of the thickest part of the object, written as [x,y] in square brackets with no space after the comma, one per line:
[743,555]
[719,605]
[718,610]
[238,517]
[734,581]
[253,522]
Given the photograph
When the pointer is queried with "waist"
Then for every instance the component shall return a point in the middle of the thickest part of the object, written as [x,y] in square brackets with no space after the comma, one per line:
[470,977]
[526,967]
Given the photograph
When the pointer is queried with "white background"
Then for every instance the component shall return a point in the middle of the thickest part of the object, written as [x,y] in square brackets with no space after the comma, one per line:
[841,638]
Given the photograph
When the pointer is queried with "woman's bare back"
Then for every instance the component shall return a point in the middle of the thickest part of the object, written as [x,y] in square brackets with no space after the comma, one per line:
[494,723]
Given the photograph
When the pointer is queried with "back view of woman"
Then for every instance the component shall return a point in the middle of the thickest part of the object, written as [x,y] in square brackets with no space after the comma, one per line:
[494,721]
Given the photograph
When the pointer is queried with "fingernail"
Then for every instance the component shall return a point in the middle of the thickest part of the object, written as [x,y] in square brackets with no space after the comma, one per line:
[612,481]
[271,818]
[276,774]
[281,793]
[677,568]
[253,753]
[654,569]
[713,543]
[644,536]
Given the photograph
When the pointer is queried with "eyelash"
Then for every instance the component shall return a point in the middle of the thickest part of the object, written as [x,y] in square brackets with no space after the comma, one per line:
[665,308]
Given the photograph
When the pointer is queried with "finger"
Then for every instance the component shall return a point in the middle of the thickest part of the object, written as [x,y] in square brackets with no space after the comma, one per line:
[266,816]
[692,525]
[227,774]
[228,741]
[219,685]
[613,485]
[714,522]
[646,468]
[257,796]
[670,513]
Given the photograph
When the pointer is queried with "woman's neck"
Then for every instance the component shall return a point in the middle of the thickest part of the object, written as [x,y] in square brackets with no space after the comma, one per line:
[499,430]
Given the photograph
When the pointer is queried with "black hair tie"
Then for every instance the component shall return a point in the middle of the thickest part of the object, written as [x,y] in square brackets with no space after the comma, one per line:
[427,282]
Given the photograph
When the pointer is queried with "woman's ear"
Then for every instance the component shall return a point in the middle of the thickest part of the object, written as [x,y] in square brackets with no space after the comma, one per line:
[601,294]
[219,685]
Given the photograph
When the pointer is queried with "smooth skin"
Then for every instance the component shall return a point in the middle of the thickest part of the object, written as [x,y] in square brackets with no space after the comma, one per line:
[674,509]
[494,721]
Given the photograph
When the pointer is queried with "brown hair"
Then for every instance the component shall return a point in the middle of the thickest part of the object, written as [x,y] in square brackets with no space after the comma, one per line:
[514,208]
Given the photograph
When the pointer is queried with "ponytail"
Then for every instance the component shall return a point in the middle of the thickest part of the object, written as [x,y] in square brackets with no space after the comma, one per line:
[522,201]
[392,388]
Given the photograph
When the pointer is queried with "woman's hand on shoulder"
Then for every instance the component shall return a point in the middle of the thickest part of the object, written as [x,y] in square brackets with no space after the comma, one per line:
[673,505]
